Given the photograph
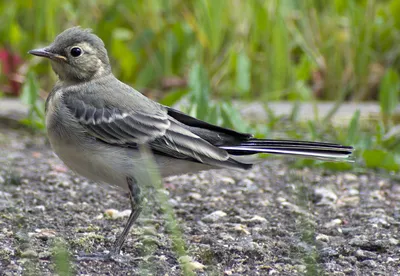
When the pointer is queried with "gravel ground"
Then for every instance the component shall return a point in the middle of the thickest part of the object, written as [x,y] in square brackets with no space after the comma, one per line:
[272,220]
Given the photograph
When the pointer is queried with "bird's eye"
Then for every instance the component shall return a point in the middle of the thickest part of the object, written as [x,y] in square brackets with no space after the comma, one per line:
[76,51]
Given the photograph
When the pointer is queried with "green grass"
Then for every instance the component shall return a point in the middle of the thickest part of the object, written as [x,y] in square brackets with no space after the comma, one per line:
[267,50]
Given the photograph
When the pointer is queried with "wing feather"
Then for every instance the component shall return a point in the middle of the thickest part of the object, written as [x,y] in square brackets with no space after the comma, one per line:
[162,132]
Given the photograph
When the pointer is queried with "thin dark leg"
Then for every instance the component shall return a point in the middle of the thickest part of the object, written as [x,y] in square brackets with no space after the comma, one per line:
[136,207]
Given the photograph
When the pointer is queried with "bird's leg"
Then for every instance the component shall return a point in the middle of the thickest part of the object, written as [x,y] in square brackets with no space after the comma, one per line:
[136,206]
[135,197]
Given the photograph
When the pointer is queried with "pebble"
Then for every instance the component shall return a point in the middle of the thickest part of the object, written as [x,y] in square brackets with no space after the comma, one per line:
[115,214]
[258,219]
[273,272]
[378,222]
[214,216]
[227,180]
[350,201]
[369,263]
[39,208]
[241,228]
[350,177]
[353,192]
[322,237]
[43,234]
[363,254]
[360,241]
[392,260]
[193,265]
[393,241]
[329,252]
[249,184]
[333,223]
[325,196]
[195,196]
[29,253]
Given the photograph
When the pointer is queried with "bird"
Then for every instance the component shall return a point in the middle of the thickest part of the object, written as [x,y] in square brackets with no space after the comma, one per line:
[97,124]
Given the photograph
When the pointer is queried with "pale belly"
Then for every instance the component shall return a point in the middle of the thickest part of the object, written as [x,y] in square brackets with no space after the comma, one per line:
[112,165]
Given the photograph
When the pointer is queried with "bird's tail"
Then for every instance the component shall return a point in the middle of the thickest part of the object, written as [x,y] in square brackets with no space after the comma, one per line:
[314,150]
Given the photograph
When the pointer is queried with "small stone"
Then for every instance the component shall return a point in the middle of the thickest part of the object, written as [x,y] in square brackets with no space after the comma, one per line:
[349,201]
[378,222]
[333,223]
[322,237]
[173,202]
[241,228]
[227,180]
[43,234]
[249,184]
[350,177]
[226,237]
[363,255]
[39,208]
[195,196]
[273,272]
[281,199]
[392,260]
[325,196]
[193,265]
[360,241]
[301,268]
[369,263]
[214,216]
[393,241]
[44,255]
[329,252]
[69,204]
[258,219]
[115,214]
[353,192]
[29,253]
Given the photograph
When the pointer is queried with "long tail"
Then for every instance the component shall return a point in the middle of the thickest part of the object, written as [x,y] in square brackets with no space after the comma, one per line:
[315,150]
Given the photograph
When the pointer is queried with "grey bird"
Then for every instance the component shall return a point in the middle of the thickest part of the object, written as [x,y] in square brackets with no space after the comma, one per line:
[96,124]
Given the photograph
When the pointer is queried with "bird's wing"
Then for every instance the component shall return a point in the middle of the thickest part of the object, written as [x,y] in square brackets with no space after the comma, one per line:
[157,129]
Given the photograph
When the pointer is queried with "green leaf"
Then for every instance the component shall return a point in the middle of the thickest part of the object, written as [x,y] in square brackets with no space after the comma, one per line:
[353,131]
[30,90]
[243,73]
[199,89]
[389,92]
[232,118]
[380,159]
[313,129]
[173,97]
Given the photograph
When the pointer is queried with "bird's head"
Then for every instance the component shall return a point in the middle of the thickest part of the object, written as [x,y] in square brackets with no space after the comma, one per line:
[77,55]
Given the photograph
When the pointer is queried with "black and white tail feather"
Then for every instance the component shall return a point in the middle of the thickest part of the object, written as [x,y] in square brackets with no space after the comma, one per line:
[239,145]
[316,150]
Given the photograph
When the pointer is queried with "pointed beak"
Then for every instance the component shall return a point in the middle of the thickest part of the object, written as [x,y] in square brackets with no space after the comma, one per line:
[44,52]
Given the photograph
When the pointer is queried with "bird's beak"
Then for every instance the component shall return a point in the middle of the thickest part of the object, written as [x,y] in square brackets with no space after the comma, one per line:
[44,52]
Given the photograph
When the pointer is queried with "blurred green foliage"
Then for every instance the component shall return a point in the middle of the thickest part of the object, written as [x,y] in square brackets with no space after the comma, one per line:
[260,49]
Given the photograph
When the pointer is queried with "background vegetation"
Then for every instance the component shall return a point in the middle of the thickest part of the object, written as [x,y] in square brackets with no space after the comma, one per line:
[223,50]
